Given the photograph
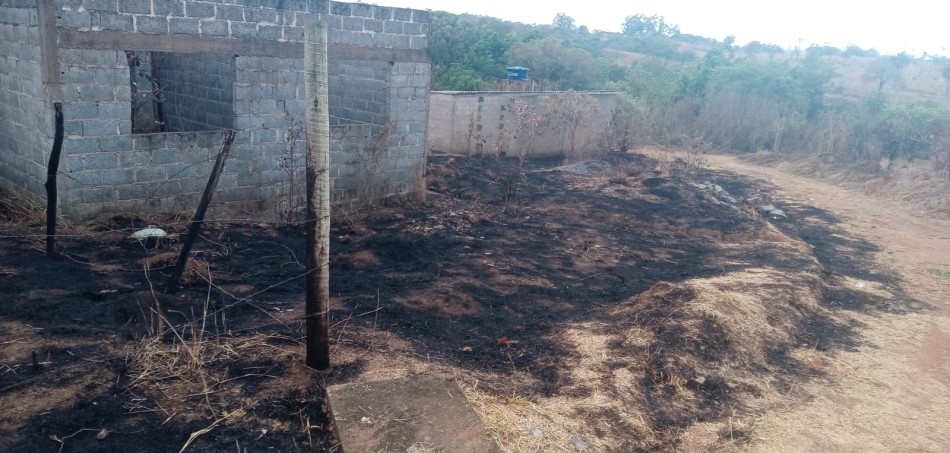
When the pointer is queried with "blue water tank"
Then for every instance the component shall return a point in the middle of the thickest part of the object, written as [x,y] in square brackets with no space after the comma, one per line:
[517,73]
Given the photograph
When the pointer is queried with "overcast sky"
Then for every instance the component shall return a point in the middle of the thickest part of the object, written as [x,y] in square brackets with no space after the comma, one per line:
[913,26]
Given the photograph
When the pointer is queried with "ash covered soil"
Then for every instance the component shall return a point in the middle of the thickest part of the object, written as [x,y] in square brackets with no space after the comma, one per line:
[615,303]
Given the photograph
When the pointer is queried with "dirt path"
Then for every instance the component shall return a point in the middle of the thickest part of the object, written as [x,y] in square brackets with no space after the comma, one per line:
[892,392]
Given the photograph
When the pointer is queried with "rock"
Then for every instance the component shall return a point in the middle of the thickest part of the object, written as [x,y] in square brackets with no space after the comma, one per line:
[579,445]
[150,232]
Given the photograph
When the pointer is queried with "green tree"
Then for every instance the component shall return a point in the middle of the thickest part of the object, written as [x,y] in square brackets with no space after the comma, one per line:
[643,25]
[564,22]
[888,69]
[943,64]
[551,59]
[466,50]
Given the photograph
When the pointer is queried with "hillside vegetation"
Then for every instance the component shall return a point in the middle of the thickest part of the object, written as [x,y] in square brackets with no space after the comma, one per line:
[682,90]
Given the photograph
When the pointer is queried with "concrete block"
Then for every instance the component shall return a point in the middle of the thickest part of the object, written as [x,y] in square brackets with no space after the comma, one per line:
[402,14]
[351,24]
[76,146]
[135,159]
[361,38]
[249,179]
[294,34]
[95,92]
[100,5]
[273,121]
[80,111]
[119,144]
[116,110]
[179,25]
[134,192]
[69,57]
[98,127]
[199,9]
[87,178]
[383,13]
[112,76]
[391,40]
[393,27]
[103,58]
[340,8]
[74,19]
[413,29]
[229,12]
[420,17]
[252,63]
[71,92]
[294,5]
[123,92]
[117,177]
[260,15]
[243,30]
[135,6]
[96,195]
[363,10]
[242,138]
[213,27]
[72,128]
[318,6]
[151,25]
[272,32]
[124,127]
[100,161]
[168,8]
[164,156]
[373,25]
[150,173]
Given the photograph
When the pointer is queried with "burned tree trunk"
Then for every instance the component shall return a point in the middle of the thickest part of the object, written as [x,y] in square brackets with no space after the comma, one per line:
[51,171]
[196,223]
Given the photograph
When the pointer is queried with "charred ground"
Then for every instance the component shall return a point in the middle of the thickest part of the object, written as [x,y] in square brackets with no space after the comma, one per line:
[614,296]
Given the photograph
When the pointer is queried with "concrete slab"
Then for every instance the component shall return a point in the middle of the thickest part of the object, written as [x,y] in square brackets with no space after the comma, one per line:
[415,414]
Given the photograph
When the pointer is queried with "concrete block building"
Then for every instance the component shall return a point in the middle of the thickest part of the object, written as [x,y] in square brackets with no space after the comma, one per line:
[149,86]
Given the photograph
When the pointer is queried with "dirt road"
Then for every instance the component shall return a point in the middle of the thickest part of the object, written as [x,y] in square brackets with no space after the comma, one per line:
[892,391]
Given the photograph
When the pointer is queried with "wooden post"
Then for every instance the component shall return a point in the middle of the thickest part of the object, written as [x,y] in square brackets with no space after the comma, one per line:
[51,171]
[318,197]
[199,219]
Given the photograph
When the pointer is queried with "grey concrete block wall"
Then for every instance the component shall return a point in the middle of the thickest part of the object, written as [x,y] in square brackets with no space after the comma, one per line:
[359,91]
[198,90]
[25,116]
[379,78]
[473,122]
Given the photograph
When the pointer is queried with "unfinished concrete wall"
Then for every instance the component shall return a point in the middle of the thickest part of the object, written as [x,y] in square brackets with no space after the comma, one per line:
[496,122]
[25,117]
[379,78]
[359,92]
[197,90]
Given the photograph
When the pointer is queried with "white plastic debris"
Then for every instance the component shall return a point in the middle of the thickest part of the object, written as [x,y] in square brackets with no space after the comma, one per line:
[150,232]
[536,432]
[579,445]
[718,193]
[366,421]
[102,434]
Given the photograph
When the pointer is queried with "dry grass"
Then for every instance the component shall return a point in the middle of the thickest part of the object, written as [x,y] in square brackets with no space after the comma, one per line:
[942,272]
[647,379]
